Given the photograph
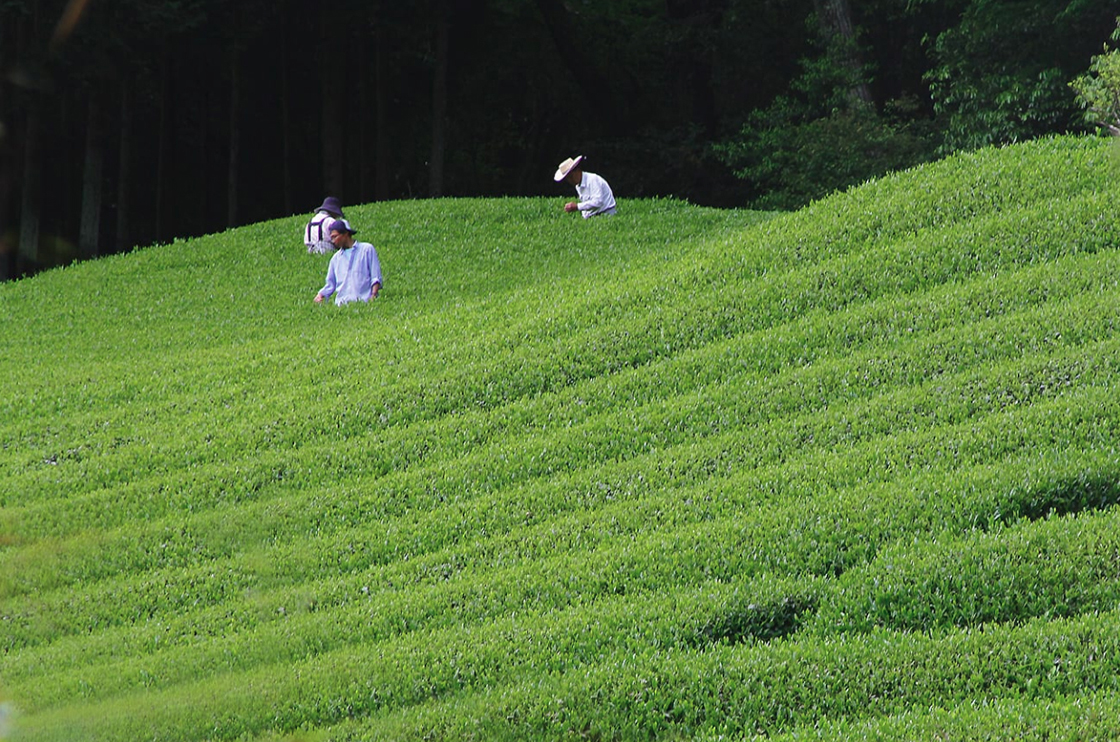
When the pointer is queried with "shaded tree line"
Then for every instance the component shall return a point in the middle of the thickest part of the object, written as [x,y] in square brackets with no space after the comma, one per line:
[128,122]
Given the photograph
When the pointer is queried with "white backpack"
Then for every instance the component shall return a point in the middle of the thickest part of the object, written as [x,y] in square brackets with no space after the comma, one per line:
[316,231]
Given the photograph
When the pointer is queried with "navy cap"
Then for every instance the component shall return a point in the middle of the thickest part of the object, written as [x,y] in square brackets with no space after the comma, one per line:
[341,225]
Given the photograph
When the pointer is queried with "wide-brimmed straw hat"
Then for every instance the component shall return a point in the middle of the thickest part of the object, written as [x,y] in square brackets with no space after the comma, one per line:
[566,167]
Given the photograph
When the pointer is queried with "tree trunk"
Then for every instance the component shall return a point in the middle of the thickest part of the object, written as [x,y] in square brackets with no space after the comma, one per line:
[26,252]
[32,191]
[124,176]
[381,102]
[7,249]
[7,177]
[163,154]
[836,25]
[365,160]
[234,165]
[439,100]
[590,80]
[285,111]
[203,164]
[692,57]
[334,111]
[89,231]
[7,159]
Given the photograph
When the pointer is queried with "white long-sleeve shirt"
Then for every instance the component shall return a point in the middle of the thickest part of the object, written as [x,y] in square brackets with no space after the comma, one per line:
[595,196]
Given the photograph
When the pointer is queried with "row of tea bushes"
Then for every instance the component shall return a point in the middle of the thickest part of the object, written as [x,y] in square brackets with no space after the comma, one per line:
[679,474]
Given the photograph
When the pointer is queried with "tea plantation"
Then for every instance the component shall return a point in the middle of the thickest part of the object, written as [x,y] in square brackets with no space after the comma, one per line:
[850,473]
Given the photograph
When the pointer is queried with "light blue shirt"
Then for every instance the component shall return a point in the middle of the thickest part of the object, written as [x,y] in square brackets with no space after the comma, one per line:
[352,273]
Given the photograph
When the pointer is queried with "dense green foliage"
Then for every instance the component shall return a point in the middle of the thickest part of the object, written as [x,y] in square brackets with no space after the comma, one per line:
[146,120]
[1001,74]
[992,71]
[1098,90]
[793,153]
[845,473]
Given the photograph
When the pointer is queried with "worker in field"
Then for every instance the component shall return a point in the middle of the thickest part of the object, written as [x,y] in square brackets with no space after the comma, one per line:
[354,273]
[595,196]
[316,235]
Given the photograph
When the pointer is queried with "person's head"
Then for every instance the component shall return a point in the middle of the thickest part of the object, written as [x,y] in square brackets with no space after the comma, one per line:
[569,171]
[342,234]
[332,206]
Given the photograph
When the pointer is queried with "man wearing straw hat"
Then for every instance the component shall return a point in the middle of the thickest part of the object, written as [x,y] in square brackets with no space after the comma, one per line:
[595,196]
[316,235]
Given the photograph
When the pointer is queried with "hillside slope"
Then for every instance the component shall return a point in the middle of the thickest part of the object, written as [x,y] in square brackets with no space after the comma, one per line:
[681,474]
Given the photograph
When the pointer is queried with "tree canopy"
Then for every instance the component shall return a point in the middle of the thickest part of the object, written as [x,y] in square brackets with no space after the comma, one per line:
[133,122]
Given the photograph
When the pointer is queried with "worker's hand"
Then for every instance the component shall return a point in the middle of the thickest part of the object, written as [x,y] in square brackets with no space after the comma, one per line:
[571,206]
[318,298]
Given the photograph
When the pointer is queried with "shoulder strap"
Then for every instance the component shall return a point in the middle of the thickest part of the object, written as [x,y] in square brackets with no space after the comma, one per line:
[316,222]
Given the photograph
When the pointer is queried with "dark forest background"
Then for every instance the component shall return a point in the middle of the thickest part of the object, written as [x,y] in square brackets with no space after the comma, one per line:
[130,122]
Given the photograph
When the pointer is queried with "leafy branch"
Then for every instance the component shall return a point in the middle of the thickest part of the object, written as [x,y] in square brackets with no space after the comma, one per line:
[1098,90]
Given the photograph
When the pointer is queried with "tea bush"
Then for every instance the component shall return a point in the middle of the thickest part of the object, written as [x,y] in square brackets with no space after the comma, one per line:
[846,473]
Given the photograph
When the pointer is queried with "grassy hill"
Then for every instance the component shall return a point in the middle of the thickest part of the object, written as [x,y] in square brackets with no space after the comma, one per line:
[847,473]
